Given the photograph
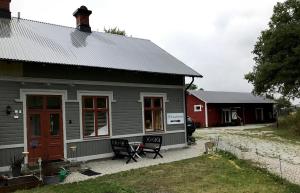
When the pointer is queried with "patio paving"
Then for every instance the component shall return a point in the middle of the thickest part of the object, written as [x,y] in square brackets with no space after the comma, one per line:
[109,166]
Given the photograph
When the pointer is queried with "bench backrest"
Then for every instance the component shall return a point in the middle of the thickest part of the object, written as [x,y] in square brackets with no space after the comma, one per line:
[120,145]
[152,140]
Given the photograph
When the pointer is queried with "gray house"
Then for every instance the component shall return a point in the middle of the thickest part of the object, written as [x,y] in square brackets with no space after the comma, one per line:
[63,87]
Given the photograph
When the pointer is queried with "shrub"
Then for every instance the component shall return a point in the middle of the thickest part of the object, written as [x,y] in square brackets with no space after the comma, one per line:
[291,122]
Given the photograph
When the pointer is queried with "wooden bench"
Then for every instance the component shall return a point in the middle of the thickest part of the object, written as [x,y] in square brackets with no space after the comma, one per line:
[152,144]
[121,149]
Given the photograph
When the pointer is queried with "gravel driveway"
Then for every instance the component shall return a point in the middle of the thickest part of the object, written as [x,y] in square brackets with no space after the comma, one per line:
[280,157]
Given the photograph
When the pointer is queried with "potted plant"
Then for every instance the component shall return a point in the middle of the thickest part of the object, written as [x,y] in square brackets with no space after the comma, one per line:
[16,165]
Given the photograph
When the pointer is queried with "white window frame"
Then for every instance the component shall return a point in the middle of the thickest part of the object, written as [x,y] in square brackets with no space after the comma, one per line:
[164,97]
[262,114]
[224,112]
[109,94]
[196,106]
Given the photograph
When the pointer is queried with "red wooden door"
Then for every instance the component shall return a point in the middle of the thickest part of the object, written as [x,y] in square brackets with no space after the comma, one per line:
[44,128]
[54,145]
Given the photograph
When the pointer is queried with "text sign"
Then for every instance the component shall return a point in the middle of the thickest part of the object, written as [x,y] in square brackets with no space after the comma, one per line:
[175,118]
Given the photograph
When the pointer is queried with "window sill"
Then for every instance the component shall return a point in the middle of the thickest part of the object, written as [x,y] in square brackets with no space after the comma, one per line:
[155,132]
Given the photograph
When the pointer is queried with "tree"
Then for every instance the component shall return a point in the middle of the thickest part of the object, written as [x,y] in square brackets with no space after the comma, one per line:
[277,53]
[192,87]
[282,103]
[115,30]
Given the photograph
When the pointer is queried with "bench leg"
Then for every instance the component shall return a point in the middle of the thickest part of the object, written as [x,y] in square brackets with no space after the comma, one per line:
[131,157]
[157,153]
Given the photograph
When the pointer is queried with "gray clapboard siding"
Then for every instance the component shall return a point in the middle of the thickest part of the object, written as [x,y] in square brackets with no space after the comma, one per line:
[72,120]
[11,130]
[7,154]
[173,138]
[126,111]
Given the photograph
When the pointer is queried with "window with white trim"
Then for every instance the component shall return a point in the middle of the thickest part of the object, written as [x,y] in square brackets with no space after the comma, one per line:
[95,116]
[153,114]
[198,108]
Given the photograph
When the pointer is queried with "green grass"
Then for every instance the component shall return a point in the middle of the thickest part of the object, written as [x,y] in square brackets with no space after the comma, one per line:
[210,174]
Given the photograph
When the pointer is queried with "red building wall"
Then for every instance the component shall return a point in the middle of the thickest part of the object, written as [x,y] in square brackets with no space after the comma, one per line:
[214,112]
[197,117]
[214,115]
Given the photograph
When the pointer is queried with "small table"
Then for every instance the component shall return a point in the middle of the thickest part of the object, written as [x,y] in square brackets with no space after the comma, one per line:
[135,146]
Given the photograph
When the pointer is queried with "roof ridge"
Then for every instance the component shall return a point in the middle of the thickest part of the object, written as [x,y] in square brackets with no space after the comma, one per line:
[58,25]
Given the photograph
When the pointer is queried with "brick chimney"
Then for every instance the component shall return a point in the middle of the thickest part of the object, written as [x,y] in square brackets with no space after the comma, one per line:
[5,9]
[82,15]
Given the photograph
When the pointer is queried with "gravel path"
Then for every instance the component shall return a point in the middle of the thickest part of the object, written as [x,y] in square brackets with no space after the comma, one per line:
[113,166]
[246,145]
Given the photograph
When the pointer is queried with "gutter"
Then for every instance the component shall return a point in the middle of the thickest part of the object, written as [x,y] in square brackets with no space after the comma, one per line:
[185,94]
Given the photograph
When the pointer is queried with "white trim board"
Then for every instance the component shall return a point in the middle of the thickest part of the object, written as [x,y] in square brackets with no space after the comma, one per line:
[84,82]
[11,146]
[64,96]
[151,94]
[206,115]
[92,157]
[176,146]
[4,168]
[123,136]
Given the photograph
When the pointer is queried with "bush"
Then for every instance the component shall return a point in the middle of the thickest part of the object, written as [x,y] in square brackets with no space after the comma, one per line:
[291,122]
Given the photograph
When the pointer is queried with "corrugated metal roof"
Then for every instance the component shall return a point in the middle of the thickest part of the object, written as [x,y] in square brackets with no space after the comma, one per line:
[27,40]
[229,97]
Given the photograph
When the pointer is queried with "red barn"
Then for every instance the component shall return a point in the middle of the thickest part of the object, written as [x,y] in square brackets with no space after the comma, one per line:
[212,108]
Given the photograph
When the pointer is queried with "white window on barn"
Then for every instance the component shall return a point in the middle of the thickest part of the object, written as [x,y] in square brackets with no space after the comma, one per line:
[153,114]
[198,108]
[234,115]
[95,116]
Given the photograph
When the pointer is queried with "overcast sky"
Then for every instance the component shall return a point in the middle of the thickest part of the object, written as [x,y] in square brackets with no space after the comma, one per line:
[214,37]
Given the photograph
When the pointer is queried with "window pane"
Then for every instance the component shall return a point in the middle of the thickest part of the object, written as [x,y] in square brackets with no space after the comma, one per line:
[89,124]
[35,125]
[88,103]
[148,120]
[53,102]
[35,102]
[147,102]
[54,124]
[234,115]
[102,123]
[157,120]
[157,102]
[101,103]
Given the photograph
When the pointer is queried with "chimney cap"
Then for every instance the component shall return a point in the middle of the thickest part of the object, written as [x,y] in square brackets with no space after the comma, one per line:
[82,10]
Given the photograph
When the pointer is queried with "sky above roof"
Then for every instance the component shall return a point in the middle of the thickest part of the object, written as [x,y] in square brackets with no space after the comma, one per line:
[213,37]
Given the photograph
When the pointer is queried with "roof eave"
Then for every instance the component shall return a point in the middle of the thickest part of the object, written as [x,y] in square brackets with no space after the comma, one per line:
[76,65]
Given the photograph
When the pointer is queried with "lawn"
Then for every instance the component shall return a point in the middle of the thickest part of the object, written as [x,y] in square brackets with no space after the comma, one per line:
[214,174]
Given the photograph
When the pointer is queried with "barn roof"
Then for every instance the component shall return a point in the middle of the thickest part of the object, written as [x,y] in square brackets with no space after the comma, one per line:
[229,97]
[26,40]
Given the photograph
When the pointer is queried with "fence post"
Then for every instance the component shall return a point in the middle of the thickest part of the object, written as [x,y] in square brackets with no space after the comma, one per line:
[256,151]
[217,146]
[280,166]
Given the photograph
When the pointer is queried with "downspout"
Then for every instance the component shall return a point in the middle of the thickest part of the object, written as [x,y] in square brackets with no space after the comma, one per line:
[185,93]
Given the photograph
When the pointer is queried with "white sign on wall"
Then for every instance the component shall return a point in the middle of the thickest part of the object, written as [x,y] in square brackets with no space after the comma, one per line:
[175,118]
